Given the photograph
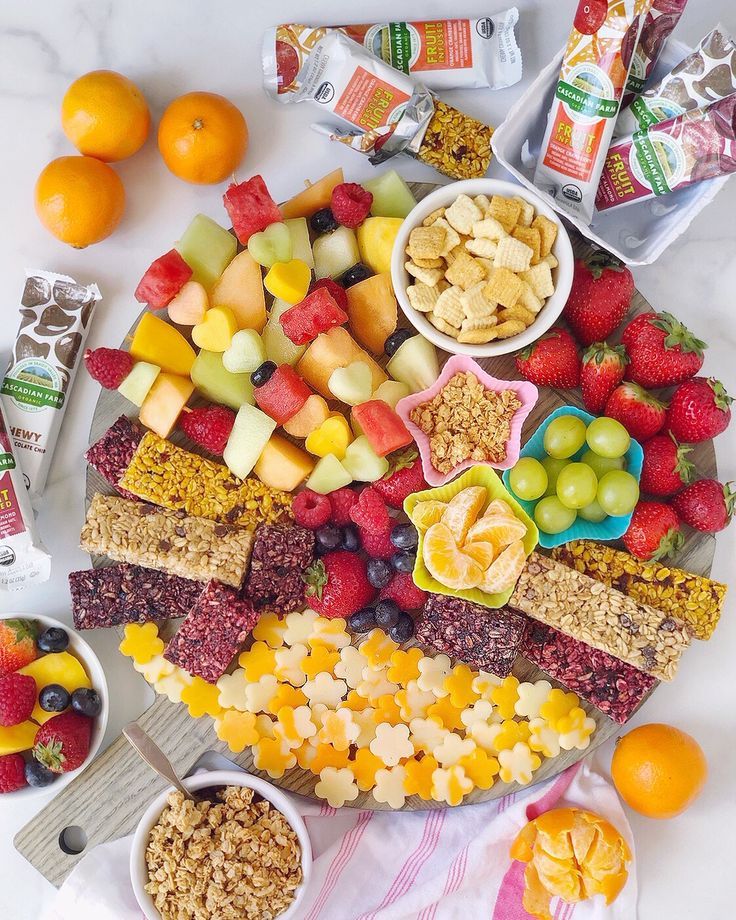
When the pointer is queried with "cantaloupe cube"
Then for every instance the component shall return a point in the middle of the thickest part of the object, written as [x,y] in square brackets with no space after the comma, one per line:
[330,350]
[311,415]
[166,398]
[313,197]
[158,342]
[283,465]
[240,287]
[372,311]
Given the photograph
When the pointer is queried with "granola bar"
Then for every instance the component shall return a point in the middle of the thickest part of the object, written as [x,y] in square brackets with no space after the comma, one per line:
[170,541]
[125,593]
[600,616]
[167,475]
[456,144]
[111,454]
[213,632]
[269,590]
[694,598]
[611,685]
[281,553]
[483,638]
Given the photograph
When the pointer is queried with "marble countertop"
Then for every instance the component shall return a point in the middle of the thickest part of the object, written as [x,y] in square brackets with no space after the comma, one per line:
[170,48]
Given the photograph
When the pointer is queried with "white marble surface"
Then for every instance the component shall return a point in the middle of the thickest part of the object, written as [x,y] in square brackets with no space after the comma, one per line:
[685,866]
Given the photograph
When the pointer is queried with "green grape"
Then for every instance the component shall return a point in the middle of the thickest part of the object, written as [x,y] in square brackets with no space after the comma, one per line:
[553,469]
[607,437]
[592,512]
[577,485]
[602,465]
[528,479]
[618,493]
[551,516]
[564,436]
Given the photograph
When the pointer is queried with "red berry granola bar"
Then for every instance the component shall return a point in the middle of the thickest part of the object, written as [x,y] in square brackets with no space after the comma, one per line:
[112,453]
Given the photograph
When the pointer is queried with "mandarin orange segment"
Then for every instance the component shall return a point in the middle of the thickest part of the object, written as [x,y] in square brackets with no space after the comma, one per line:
[505,570]
[499,529]
[483,553]
[427,513]
[446,562]
[498,506]
[462,511]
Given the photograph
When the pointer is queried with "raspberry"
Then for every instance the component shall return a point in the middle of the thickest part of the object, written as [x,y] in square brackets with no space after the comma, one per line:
[337,291]
[370,513]
[402,589]
[350,204]
[377,545]
[108,366]
[342,500]
[208,426]
[310,509]
[17,698]
[12,773]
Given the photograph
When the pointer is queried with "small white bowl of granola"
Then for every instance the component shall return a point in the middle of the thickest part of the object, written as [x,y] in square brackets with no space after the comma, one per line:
[242,828]
[482,267]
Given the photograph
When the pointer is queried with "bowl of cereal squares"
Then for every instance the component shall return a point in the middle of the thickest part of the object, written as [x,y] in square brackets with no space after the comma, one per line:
[482,267]
[240,849]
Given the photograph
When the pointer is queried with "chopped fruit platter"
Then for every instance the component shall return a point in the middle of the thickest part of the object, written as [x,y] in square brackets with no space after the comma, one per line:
[263,457]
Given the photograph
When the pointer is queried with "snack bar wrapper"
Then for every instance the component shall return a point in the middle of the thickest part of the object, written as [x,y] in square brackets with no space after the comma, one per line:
[697,145]
[595,68]
[56,314]
[703,77]
[442,53]
[658,25]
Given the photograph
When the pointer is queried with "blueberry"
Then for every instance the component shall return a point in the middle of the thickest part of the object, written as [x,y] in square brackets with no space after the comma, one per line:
[328,537]
[350,538]
[380,573]
[323,221]
[53,698]
[395,340]
[387,614]
[53,639]
[354,274]
[403,561]
[404,536]
[362,620]
[262,374]
[86,702]
[403,630]
[37,774]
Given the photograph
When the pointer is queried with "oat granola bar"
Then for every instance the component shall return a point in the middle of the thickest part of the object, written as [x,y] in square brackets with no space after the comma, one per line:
[167,475]
[456,144]
[600,616]
[281,554]
[694,598]
[111,454]
[611,685]
[170,541]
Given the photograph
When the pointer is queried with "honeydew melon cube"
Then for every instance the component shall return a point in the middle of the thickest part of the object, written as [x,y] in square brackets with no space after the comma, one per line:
[328,475]
[279,347]
[392,197]
[250,434]
[139,381]
[301,246]
[207,248]
[362,462]
[219,385]
[334,253]
[415,363]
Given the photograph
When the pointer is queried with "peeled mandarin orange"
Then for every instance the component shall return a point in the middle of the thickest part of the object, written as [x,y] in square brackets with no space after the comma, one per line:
[505,570]
[501,529]
[202,137]
[498,506]
[79,199]
[658,770]
[483,553]
[446,562]
[463,509]
[427,513]
[105,115]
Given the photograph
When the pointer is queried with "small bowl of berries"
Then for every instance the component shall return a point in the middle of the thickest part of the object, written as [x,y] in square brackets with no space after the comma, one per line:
[53,704]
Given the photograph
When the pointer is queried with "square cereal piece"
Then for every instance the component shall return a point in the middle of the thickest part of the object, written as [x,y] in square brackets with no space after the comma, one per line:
[428,276]
[509,328]
[531,238]
[529,300]
[465,271]
[449,307]
[433,217]
[426,242]
[547,230]
[513,254]
[551,260]
[463,213]
[539,278]
[471,323]
[482,247]
[427,263]
[452,237]
[488,229]
[517,312]
[483,202]
[475,305]
[504,287]
[442,326]
[506,211]
[527,211]
[422,297]
[477,336]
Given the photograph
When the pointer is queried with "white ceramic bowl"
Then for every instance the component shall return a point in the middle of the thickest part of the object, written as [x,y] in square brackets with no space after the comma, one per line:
[81,650]
[562,275]
[139,871]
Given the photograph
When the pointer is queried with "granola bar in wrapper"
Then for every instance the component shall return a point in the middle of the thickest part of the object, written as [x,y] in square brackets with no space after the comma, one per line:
[658,25]
[698,145]
[704,76]
[443,53]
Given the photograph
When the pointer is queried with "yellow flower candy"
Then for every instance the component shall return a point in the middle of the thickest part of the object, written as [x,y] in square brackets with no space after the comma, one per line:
[326,756]
[418,780]
[337,785]
[404,665]
[141,642]
[459,686]
[543,738]
[427,734]
[237,729]
[578,737]
[318,660]
[259,694]
[294,725]
[257,661]
[414,702]
[172,685]
[450,716]
[506,695]
[558,705]
[453,749]
[511,732]
[365,765]
[155,669]
[330,633]
[286,695]
[201,698]
[356,702]
[574,719]
[338,729]
[288,664]
[375,684]
[377,649]
[366,722]
[273,757]
[480,767]
[518,764]
[270,629]
[387,710]
[450,785]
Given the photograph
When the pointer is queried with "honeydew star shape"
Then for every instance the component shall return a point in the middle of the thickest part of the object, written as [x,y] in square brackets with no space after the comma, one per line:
[339,729]
[391,743]
[350,666]
[288,664]
[299,626]
[232,689]
[531,698]
[405,666]
[337,786]
[237,729]
[506,695]
[543,739]
[453,749]
[270,629]
[558,705]
[375,684]
[419,776]
[273,757]
[258,661]
[201,698]
[141,642]
[413,702]
[377,649]
[389,787]
[518,764]
[450,785]
[459,686]
[365,765]
[330,633]
[432,674]
[427,734]
[325,689]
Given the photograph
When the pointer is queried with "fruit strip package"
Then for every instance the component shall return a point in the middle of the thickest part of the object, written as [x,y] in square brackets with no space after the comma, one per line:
[125,593]
[56,314]
[600,616]
[481,637]
[213,632]
[169,541]
[611,685]
[699,144]
[693,598]
[443,53]
[112,453]
[658,25]
[595,68]
[281,554]
[167,475]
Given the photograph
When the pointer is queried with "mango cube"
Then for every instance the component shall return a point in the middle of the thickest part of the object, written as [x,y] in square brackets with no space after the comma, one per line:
[158,342]
[18,738]
[288,281]
[376,237]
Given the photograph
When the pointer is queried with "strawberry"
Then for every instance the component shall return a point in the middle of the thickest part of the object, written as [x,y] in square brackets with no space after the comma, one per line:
[601,372]
[706,505]
[17,698]
[666,468]
[370,513]
[699,410]
[12,773]
[654,531]
[338,585]
[641,414]
[62,743]
[402,589]
[600,297]
[551,361]
[404,477]
[662,352]
[208,426]
[108,366]
[17,644]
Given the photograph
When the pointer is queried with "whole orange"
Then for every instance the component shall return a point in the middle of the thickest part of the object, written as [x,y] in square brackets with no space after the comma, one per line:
[202,137]
[658,770]
[105,115]
[79,199]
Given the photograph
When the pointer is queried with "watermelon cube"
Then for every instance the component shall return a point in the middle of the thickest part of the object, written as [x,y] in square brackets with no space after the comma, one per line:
[163,280]
[283,394]
[251,208]
[382,426]
[318,312]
